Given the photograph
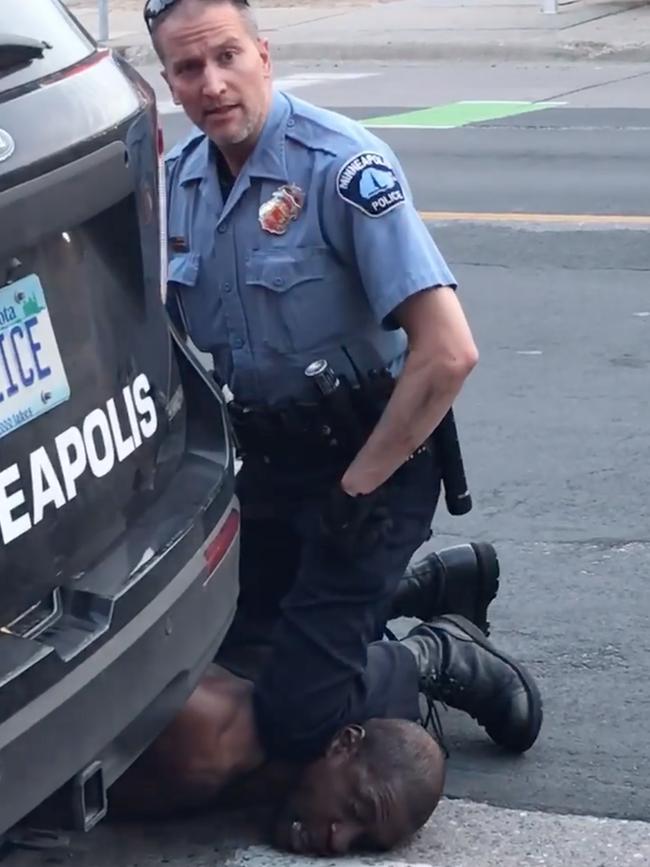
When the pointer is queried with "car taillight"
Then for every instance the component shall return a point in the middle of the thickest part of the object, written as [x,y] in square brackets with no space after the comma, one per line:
[92,60]
[220,545]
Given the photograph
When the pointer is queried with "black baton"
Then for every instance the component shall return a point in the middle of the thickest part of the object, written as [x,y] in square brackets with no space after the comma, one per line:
[457,495]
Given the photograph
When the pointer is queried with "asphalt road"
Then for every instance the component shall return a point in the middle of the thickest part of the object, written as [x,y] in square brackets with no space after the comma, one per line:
[560,160]
[555,426]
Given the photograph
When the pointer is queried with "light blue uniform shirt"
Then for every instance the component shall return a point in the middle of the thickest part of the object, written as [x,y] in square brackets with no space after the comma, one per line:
[266,305]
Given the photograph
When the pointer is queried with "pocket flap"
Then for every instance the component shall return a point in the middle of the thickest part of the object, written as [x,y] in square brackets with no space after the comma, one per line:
[282,270]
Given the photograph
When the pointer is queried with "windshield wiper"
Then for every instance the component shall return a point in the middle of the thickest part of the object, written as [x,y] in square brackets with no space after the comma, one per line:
[18,51]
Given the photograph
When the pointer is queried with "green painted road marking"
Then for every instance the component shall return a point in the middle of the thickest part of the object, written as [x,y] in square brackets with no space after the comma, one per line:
[456,114]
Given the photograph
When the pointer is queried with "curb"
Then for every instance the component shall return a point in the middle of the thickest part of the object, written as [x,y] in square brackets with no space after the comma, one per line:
[413,52]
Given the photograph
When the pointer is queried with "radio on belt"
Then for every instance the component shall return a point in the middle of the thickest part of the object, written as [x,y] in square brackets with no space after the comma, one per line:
[345,421]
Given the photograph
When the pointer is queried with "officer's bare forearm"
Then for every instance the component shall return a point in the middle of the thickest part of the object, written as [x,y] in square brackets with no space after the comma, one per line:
[422,397]
[442,353]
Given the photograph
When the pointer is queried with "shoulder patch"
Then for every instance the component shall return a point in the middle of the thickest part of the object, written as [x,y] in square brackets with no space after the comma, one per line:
[369,183]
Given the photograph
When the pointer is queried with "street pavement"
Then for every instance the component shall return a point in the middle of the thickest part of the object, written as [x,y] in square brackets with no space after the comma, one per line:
[554,425]
[421,30]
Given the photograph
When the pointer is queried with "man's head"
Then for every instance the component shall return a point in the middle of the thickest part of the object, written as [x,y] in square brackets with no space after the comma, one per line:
[375,786]
[216,66]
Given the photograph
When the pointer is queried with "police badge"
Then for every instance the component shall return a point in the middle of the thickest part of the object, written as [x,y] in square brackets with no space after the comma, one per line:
[284,206]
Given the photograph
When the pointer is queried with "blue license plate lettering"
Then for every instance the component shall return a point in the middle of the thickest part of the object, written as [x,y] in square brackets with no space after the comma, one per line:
[32,377]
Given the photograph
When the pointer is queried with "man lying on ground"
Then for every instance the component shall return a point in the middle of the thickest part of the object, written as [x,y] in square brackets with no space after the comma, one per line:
[376,782]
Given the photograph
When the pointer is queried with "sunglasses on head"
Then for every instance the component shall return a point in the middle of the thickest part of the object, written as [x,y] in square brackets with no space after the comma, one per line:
[154,8]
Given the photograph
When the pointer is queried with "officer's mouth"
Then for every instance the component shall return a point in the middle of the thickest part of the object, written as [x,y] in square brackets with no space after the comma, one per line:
[221,112]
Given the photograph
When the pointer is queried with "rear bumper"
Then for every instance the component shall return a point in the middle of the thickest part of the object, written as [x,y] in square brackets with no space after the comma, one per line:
[110,707]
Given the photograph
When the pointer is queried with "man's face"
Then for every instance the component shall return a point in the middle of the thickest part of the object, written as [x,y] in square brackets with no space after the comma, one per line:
[216,70]
[336,807]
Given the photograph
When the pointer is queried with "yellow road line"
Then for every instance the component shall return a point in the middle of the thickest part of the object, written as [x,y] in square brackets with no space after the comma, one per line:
[487,217]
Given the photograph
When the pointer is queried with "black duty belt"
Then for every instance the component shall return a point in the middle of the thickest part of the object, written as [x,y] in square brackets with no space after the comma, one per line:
[306,433]
[280,432]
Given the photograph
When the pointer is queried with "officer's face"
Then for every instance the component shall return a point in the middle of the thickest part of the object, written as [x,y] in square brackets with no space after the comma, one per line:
[337,806]
[217,70]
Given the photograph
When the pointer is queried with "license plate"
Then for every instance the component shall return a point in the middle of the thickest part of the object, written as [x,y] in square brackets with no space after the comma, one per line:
[32,377]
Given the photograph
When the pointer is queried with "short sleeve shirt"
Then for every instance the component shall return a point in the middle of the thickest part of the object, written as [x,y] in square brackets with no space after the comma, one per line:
[315,246]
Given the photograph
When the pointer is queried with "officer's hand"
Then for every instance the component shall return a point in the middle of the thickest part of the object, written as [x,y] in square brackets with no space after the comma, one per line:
[355,524]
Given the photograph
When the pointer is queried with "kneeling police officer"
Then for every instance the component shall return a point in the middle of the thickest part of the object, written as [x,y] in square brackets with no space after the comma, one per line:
[299,262]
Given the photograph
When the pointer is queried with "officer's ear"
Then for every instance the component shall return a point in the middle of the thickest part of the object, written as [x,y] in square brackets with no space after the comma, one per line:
[265,54]
[346,743]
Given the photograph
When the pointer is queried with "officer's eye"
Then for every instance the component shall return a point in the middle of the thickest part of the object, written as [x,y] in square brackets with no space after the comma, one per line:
[227,56]
[187,67]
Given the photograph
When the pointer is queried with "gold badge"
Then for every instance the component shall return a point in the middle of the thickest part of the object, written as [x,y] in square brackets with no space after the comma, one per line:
[284,206]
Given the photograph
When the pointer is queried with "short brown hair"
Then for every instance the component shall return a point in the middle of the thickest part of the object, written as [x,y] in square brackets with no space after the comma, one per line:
[243,7]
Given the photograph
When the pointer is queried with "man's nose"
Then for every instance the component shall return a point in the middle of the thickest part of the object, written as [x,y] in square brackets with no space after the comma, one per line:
[342,837]
[213,81]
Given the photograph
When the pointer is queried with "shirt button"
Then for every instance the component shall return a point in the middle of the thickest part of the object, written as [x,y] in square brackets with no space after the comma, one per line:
[227,287]
[222,228]
[278,281]
[238,342]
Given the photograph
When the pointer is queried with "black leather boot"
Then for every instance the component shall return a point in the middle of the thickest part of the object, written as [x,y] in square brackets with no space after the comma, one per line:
[460,580]
[461,668]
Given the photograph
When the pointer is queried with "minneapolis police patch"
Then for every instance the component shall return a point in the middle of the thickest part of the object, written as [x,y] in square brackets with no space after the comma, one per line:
[368,182]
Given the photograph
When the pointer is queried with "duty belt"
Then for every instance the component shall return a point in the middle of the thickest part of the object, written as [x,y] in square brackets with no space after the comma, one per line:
[298,432]
[281,432]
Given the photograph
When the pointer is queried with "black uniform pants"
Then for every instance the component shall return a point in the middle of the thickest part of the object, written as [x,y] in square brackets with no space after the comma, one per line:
[328,666]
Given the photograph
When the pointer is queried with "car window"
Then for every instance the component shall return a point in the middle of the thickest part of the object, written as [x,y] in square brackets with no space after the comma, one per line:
[37,38]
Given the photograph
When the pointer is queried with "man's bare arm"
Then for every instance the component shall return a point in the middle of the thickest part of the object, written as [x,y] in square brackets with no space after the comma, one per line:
[442,354]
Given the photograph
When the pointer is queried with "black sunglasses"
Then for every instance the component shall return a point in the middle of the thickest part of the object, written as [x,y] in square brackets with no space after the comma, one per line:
[154,8]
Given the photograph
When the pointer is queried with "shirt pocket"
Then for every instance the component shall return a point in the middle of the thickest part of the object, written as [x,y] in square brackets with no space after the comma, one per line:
[200,307]
[297,295]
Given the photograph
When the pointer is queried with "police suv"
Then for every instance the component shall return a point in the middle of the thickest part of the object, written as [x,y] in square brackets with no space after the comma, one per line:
[119,528]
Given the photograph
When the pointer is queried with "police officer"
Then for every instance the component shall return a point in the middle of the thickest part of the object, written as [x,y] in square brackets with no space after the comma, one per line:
[293,238]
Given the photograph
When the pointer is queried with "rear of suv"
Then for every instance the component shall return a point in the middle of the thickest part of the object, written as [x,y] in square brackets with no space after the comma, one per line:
[119,526]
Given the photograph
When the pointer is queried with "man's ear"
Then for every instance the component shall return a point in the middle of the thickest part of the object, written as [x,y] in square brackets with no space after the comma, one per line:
[347,742]
[265,53]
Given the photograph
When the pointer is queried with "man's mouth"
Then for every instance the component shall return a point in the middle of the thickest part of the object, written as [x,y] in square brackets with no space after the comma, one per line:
[304,843]
[220,111]
[298,837]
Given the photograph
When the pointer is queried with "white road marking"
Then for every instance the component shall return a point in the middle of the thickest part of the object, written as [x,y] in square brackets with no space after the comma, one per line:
[289,82]
[529,352]
[643,313]
[371,125]
[307,79]
[166,106]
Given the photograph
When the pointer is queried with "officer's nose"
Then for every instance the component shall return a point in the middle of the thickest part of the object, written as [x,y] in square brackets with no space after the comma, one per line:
[214,85]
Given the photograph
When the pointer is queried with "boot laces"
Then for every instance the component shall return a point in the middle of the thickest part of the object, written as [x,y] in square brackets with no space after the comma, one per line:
[433,723]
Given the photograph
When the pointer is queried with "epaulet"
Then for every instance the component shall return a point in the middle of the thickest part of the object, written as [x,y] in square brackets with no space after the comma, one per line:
[185,146]
[324,130]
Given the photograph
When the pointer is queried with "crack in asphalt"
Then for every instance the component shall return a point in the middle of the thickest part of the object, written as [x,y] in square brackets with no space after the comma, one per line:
[595,86]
